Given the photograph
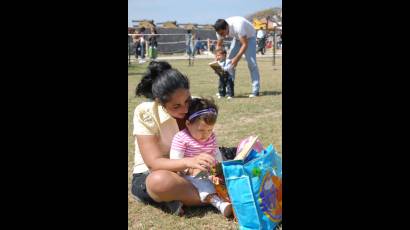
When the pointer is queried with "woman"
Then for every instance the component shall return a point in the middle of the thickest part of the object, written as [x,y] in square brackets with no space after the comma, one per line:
[155,123]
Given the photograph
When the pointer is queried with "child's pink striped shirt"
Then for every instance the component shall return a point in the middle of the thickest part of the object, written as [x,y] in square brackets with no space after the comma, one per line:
[183,142]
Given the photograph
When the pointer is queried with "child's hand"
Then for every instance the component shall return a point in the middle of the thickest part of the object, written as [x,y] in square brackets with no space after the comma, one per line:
[202,162]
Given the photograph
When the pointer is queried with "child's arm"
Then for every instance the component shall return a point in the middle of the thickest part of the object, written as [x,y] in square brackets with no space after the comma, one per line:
[178,147]
[175,154]
[177,150]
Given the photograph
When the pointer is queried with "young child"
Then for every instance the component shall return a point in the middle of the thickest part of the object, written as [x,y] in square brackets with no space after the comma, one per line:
[226,85]
[197,138]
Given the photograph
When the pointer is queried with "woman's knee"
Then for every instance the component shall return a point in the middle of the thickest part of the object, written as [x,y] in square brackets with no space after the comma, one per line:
[160,181]
[167,186]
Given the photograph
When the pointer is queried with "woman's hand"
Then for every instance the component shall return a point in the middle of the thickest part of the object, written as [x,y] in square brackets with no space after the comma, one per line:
[202,162]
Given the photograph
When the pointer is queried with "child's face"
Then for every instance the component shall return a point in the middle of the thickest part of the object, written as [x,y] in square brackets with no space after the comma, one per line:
[200,130]
[220,56]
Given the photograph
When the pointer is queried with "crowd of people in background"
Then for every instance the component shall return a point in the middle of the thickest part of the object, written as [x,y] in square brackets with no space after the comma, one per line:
[194,44]
[140,46]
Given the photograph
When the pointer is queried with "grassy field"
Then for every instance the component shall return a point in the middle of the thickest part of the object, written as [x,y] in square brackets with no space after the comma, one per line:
[237,119]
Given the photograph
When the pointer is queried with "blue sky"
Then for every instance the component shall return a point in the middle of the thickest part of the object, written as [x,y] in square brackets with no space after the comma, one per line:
[195,11]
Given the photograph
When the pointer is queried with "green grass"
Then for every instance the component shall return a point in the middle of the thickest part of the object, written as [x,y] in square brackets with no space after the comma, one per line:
[237,119]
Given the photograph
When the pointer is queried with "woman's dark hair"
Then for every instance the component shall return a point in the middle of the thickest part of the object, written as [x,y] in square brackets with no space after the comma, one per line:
[220,24]
[142,29]
[198,104]
[161,81]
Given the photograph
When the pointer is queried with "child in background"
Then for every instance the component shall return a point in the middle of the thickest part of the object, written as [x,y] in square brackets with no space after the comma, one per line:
[226,80]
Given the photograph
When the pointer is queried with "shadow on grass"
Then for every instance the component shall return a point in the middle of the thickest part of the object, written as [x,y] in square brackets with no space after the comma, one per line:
[261,94]
[189,212]
[266,93]
[132,74]
[199,211]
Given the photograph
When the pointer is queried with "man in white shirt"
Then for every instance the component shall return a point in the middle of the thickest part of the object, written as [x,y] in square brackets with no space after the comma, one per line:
[244,42]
